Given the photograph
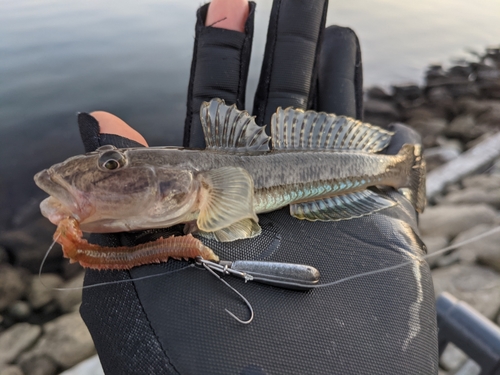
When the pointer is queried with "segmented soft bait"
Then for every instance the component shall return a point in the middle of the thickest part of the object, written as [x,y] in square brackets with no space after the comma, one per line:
[77,249]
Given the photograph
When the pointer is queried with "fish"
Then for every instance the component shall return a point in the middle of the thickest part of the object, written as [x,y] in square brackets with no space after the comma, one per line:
[323,166]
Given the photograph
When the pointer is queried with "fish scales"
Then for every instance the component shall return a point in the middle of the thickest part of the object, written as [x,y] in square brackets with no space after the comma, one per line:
[277,175]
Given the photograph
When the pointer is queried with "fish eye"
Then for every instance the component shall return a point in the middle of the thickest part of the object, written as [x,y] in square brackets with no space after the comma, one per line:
[111,160]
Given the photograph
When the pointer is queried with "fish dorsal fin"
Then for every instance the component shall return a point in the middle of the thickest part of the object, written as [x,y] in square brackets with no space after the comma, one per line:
[226,128]
[295,129]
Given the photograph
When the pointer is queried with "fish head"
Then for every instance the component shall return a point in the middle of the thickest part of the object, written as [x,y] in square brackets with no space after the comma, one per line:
[109,190]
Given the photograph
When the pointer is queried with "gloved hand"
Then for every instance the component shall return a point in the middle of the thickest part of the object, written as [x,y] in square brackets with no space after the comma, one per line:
[176,323]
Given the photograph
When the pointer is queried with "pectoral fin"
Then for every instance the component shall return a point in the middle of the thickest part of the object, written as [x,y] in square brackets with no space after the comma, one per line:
[226,197]
[246,228]
[341,207]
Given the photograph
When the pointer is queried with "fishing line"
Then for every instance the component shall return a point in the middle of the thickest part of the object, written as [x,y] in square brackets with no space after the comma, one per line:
[127,280]
[44,259]
[332,283]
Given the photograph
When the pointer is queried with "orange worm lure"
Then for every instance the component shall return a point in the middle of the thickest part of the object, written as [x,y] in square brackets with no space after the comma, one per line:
[78,249]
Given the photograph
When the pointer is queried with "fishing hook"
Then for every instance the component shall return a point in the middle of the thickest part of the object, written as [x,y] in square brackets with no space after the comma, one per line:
[238,293]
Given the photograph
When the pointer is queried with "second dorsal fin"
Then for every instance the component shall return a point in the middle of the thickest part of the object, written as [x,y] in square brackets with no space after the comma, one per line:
[294,129]
[228,129]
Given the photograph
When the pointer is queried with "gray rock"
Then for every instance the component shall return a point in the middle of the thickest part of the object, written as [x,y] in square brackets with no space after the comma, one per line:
[467,254]
[29,245]
[41,292]
[485,111]
[440,96]
[495,168]
[452,358]
[16,339]
[4,255]
[69,299]
[433,244]
[469,368]
[379,112]
[11,370]
[33,363]
[436,156]
[466,164]
[66,341]
[453,144]
[12,285]
[428,128]
[19,310]
[89,366]
[378,93]
[482,181]
[464,127]
[473,196]
[478,286]
[451,220]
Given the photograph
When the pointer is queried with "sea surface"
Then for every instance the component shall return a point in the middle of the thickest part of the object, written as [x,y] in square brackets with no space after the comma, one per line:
[132,58]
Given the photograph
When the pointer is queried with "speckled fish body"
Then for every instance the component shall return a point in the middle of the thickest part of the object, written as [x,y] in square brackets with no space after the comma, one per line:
[319,164]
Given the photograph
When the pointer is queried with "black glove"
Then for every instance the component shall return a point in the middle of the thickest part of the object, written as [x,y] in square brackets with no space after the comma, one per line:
[379,324]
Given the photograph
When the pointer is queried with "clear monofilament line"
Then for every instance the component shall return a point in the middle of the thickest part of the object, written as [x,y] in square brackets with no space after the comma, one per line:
[336,282]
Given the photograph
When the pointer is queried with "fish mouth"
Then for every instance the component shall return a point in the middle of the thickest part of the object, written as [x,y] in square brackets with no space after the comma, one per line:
[64,200]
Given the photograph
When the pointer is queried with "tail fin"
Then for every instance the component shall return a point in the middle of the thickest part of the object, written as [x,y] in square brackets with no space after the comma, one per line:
[414,189]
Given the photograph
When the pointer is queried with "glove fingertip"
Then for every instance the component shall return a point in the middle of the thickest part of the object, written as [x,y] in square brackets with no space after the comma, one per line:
[89,131]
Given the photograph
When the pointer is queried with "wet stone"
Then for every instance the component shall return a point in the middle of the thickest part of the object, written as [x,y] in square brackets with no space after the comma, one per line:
[451,220]
[16,339]
[69,299]
[378,93]
[380,112]
[11,370]
[477,285]
[463,127]
[66,341]
[483,181]
[452,358]
[474,196]
[19,310]
[12,285]
[41,292]
[4,255]
[33,363]
[428,128]
[433,244]
[436,156]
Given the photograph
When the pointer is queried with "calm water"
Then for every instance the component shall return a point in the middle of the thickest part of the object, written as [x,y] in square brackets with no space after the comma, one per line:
[58,57]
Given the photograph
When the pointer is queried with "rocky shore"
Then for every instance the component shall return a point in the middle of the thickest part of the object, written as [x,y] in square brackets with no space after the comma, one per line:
[41,332]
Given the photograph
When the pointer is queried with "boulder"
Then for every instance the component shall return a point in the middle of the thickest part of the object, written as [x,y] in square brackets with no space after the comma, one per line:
[464,127]
[12,285]
[41,292]
[473,196]
[433,244]
[449,221]
[477,285]
[11,370]
[69,299]
[34,363]
[66,341]
[483,181]
[16,339]
[436,156]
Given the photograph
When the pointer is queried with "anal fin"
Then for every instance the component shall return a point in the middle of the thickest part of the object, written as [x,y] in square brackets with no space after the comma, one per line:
[341,207]
[240,230]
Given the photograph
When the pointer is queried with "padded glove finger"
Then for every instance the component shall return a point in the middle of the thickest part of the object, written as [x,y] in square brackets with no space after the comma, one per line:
[219,69]
[340,75]
[288,74]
